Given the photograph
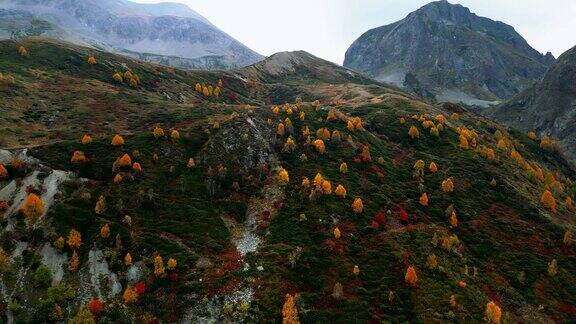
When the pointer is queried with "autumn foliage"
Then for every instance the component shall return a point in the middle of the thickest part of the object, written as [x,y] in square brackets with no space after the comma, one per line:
[91,60]
[411,277]
[413,132]
[86,139]
[283,177]
[547,199]
[78,157]
[95,306]
[33,207]
[117,140]
[289,311]
[424,199]
[125,161]
[74,239]
[158,266]
[3,172]
[493,312]
[358,206]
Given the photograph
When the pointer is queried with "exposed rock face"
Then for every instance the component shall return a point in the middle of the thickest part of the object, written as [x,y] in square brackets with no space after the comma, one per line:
[167,33]
[445,52]
[548,107]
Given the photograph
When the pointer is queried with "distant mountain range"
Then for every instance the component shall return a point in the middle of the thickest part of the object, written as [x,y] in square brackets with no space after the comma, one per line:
[444,52]
[549,107]
[167,33]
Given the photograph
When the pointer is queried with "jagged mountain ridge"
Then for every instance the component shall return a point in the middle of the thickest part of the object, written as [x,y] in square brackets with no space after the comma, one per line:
[165,33]
[548,107]
[445,52]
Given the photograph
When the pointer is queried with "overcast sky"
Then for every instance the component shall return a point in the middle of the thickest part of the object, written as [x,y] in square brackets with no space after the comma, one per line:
[326,28]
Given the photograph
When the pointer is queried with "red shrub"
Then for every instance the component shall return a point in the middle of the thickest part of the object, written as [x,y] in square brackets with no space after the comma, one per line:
[403,215]
[95,306]
[140,288]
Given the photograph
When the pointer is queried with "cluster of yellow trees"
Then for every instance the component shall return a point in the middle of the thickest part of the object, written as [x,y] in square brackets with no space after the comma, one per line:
[209,90]
[435,125]
[128,76]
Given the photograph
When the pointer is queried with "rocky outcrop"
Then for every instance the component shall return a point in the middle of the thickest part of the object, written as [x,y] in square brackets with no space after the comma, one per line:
[166,33]
[548,107]
[445,52]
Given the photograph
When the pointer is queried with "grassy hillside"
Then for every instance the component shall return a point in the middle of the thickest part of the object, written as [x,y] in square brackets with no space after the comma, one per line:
[244,237]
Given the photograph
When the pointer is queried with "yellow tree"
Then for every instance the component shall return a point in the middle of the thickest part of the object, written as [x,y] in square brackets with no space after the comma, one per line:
[283,176]
[547,199]
[74,239]
[117,140]
[448,185]
[280,130]
[118,178]
[78,157]
[356,270]
[433,168]
[413,132]
[172,263]
[74,262]
[33,207]
[191,163]
[532,135]
[411,277]
[365,154]
[326,187]
[331,116]
[158,132]
[124,161]
[453,219]
[344,167]
[337,233]
[127,259]
[340,191]
[198,87]
[158,266]
[424,199]
[289,311]
[493,312]
[86,139]
[100,204]
[289,145]
[105,231]
[91,60]
[117,77]
[137,167]
[319,145]
[174,135]
[22,51]
[130,295]
[358,206]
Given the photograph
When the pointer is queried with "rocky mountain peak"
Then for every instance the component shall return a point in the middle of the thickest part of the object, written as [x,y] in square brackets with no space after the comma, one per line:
[445,52]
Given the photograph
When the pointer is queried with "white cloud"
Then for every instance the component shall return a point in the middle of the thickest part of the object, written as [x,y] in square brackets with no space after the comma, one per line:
[326,28]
